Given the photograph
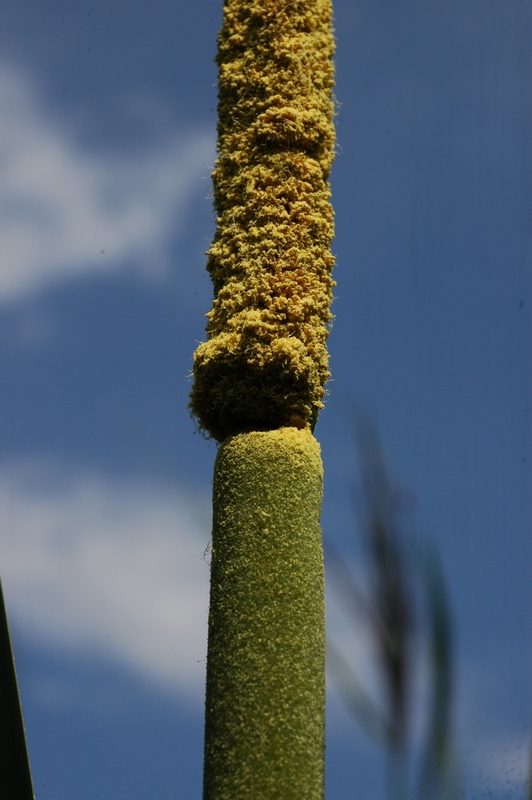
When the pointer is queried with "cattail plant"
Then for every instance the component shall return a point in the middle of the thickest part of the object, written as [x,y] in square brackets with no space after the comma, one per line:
[258,387]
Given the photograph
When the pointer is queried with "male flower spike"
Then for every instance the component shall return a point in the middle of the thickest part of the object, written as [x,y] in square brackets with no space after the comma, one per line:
[265,363]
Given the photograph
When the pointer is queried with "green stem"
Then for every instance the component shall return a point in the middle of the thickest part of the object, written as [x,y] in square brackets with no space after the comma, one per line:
[265,704]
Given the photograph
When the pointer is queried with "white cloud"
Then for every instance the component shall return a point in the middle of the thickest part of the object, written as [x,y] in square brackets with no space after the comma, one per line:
[113,567]
[65,212]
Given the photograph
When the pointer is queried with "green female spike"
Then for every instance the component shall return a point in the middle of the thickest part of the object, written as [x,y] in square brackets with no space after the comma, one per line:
[264,734]
[258,387]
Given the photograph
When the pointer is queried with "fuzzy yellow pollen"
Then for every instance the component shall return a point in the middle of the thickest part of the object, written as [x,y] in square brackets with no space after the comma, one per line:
[265,360]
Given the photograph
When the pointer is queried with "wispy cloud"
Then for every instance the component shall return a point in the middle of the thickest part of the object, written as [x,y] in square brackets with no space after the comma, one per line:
[108,566]
[65,212]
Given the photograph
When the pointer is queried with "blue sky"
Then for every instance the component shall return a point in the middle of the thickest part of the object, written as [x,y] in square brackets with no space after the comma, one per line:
[106,146]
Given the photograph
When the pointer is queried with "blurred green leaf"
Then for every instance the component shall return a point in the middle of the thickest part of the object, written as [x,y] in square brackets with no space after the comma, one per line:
[15,775]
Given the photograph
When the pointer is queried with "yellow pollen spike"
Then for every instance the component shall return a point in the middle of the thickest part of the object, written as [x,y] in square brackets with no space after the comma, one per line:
[265,364]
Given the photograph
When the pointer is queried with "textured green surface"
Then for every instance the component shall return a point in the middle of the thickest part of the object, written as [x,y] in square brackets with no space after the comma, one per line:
[265,704]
